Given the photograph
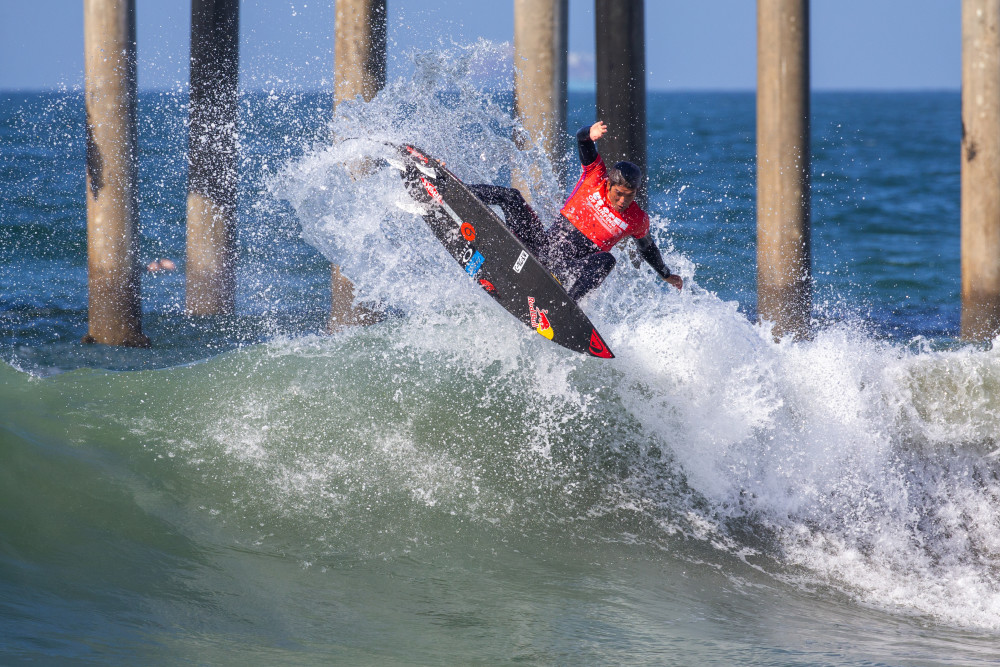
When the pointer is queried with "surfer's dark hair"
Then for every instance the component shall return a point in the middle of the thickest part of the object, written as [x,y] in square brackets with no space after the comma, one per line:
[625,174]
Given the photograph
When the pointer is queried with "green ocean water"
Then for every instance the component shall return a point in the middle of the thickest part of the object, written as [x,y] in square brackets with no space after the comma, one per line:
[446,487]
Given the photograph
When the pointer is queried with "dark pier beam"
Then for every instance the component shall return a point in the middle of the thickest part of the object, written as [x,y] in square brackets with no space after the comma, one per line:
[980,169]
[212,157]
[621,82]
[115,308]
[784,273]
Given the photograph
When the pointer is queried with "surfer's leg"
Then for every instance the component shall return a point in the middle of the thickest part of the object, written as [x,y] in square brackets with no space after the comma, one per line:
[519,218]
[573,259]
[564,249]
[590,272]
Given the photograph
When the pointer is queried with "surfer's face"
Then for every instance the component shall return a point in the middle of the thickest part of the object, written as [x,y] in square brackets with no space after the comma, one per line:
[620,197]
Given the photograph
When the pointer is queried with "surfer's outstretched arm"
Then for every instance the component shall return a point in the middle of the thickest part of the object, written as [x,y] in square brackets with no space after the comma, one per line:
[585,143]
[651,253]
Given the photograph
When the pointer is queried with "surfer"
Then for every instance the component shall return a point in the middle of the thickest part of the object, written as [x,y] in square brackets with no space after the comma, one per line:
[598,214]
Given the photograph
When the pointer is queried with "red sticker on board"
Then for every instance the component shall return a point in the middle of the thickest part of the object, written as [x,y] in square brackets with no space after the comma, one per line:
[432,191]
[597,346]
[417,154]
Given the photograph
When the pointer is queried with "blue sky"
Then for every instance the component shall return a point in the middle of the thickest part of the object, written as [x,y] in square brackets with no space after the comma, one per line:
[690,45]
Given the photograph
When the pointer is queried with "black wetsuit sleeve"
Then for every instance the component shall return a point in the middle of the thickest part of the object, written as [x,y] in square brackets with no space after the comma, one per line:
[588,149]
[649,252]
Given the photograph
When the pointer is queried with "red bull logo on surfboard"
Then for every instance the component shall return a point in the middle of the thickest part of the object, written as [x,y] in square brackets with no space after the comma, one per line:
[539,319]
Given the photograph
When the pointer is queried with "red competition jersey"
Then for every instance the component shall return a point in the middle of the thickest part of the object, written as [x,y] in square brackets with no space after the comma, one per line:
[589,211]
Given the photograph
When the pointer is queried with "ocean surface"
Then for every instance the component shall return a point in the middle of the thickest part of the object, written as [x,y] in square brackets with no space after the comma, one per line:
[447,487]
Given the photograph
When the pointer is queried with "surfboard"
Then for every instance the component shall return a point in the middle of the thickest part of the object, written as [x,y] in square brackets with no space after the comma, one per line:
[493,257]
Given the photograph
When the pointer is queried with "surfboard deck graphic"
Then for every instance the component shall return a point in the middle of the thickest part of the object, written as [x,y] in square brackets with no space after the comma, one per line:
[493,257]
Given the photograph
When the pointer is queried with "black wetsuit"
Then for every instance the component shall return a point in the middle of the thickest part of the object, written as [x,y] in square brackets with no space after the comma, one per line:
[571,256]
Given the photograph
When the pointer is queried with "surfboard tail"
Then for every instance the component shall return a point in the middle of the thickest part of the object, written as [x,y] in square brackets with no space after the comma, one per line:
[597,346]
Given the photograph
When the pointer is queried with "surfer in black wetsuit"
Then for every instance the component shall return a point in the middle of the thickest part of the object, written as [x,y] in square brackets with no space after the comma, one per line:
[598,214]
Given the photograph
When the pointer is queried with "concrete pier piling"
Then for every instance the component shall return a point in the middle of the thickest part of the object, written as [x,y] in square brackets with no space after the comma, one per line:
[115,309]
[359,69]
[621,81]
[359,49]
[212,157]
[541,38]
[980,169]
[784,274]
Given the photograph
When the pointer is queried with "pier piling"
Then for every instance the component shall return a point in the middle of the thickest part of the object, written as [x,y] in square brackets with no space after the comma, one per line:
[115,308]
[621,82]
[784,276]
[212,157]
[980,169]
[359,69]
[541,38]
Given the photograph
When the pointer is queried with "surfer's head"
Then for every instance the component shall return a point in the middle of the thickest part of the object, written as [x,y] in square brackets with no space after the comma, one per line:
[624,179]
[627,174]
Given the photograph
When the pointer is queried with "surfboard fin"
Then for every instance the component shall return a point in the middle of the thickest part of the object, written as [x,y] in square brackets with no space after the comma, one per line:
[425,170]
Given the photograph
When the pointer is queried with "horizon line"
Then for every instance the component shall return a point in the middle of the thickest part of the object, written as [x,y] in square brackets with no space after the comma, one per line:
[571,90]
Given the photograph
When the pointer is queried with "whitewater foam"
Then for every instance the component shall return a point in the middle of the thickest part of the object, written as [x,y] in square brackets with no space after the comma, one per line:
[842,448]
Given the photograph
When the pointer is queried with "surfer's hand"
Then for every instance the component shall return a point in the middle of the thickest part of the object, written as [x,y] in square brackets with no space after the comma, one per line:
[675,280]
[597,130]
